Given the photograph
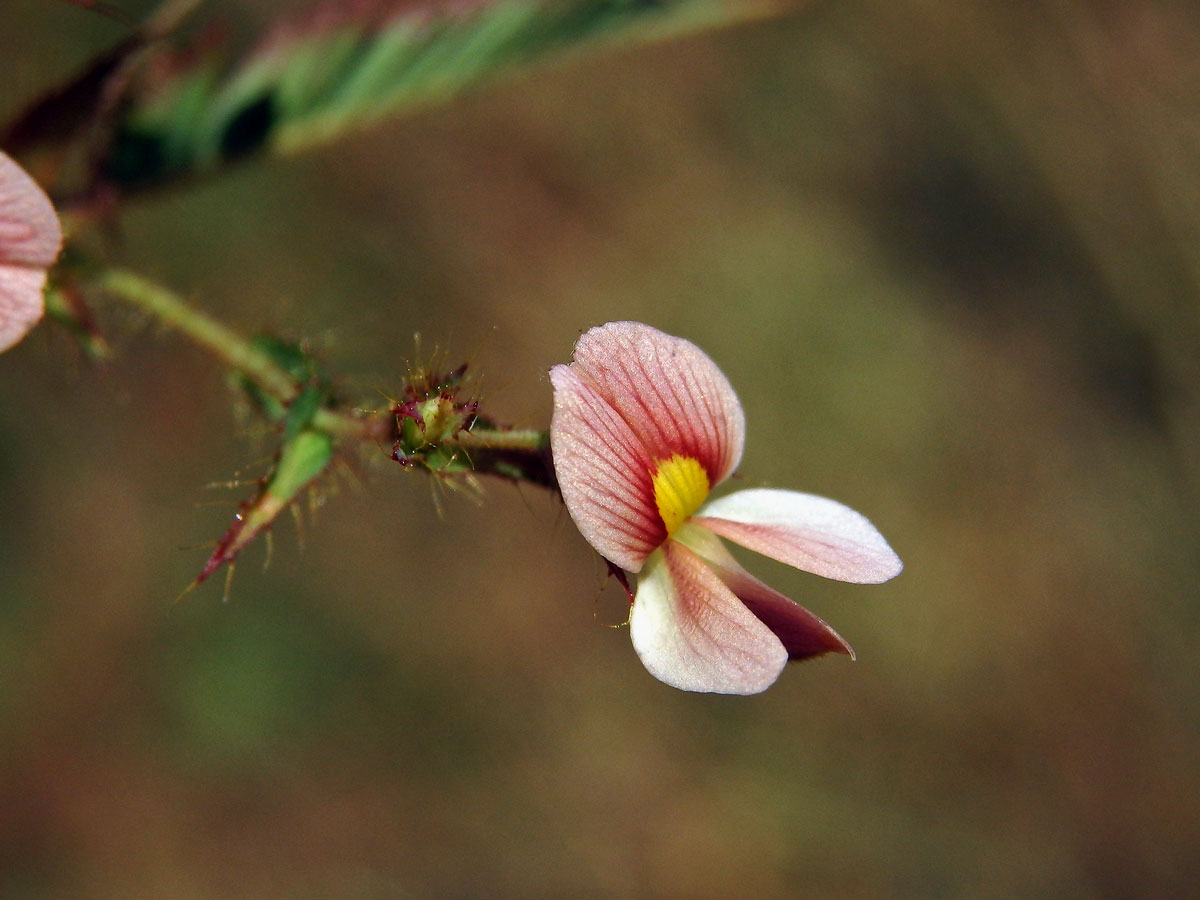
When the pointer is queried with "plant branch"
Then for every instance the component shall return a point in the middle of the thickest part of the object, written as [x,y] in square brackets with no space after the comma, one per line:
[526,439]
[243,356]
[223,342]
[233,349]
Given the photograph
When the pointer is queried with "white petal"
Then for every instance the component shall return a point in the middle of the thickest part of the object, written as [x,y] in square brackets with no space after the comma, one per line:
[812,533]
[693,633]
[802,633]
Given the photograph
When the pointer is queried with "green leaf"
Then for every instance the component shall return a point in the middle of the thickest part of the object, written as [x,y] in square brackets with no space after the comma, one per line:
[299,364]
[300,413]
[304,457]
[348,65]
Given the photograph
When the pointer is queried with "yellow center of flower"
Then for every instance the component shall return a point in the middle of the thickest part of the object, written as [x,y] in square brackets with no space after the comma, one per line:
[680,486]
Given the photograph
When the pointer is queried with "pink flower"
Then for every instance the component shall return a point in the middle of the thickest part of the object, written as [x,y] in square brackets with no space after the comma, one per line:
[30,238]
[644,426]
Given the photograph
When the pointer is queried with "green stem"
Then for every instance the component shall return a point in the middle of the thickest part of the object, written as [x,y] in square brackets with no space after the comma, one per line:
[340,424]
[505,439]
[224,343]
[518,454]
[231,348]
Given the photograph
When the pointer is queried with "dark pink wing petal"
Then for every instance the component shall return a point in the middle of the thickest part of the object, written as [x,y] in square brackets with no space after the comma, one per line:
[672,395]
[603,472]
[30,238]
[803,634]
[811,533]
[691,632]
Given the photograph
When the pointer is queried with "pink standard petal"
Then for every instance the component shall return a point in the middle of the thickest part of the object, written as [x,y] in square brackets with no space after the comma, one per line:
[802,633]
[812,533]
[30,238]
[603,472]
[691,632]
[669,392]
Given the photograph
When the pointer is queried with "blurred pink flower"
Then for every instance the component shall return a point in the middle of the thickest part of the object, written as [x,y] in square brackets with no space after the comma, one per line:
[30,238]
[644,425]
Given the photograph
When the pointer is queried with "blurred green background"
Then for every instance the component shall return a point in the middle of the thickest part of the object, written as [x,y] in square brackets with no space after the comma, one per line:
[947,253]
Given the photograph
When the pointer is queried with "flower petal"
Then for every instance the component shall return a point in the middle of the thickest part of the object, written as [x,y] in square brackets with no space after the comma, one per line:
[669,392]
[691,632]
[802,633]
[30,238]
[812,533]
[30,235]
[603,472]
[21,303]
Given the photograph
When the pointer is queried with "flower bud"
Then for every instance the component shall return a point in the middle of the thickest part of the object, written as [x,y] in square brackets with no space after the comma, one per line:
[432,414]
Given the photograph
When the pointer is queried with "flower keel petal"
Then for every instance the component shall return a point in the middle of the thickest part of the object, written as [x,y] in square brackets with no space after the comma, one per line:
[693,633]
[812,533]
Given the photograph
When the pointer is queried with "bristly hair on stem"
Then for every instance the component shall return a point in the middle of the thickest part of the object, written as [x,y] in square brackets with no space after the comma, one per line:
[441,429]
[436,426]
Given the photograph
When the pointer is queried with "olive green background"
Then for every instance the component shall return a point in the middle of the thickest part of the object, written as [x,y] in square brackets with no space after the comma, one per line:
[947,254]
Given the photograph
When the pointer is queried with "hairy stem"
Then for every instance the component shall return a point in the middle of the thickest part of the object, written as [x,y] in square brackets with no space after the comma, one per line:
[516,454]
[340,424]
[227,345]
[515,439]
[233,349]
[519,454]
